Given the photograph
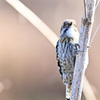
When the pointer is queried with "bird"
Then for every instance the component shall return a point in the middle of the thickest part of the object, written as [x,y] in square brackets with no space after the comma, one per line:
[67,48]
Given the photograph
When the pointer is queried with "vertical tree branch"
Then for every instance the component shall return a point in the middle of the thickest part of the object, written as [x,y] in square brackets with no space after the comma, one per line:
[82,58]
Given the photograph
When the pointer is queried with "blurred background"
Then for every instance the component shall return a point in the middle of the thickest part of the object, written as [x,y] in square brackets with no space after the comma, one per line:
[28,68]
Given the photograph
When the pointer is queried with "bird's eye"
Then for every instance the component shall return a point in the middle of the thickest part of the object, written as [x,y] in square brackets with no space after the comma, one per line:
[70,24]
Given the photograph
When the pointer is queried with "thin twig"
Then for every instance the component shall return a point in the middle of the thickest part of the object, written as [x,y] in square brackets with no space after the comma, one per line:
[94,34]
[97,3]
[85,9]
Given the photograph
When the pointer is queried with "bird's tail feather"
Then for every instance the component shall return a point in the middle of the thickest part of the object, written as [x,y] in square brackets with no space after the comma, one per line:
[67,99]
[68,91]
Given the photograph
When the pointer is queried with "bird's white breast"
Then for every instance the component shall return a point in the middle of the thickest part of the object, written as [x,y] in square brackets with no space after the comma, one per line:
[73,33]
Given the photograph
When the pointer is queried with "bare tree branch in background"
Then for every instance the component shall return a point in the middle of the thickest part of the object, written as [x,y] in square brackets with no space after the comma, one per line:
[82,58]
[35,20]
[87,90]
[45,30]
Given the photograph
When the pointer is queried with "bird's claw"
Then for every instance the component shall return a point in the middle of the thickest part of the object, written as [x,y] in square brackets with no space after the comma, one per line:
[77,46]
[77,49]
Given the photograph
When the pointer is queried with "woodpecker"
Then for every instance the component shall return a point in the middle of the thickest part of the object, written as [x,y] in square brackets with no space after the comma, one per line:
[66,50]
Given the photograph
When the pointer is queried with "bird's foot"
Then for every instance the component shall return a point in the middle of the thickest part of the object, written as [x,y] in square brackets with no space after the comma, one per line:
[77,49]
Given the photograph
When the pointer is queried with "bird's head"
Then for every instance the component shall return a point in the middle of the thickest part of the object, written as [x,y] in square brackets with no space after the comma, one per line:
[69,30]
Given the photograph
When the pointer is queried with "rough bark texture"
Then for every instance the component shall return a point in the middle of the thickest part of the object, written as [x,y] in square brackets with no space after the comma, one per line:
[82,58]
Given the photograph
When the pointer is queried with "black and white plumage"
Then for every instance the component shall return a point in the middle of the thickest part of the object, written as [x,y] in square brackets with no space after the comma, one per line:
[66,50]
